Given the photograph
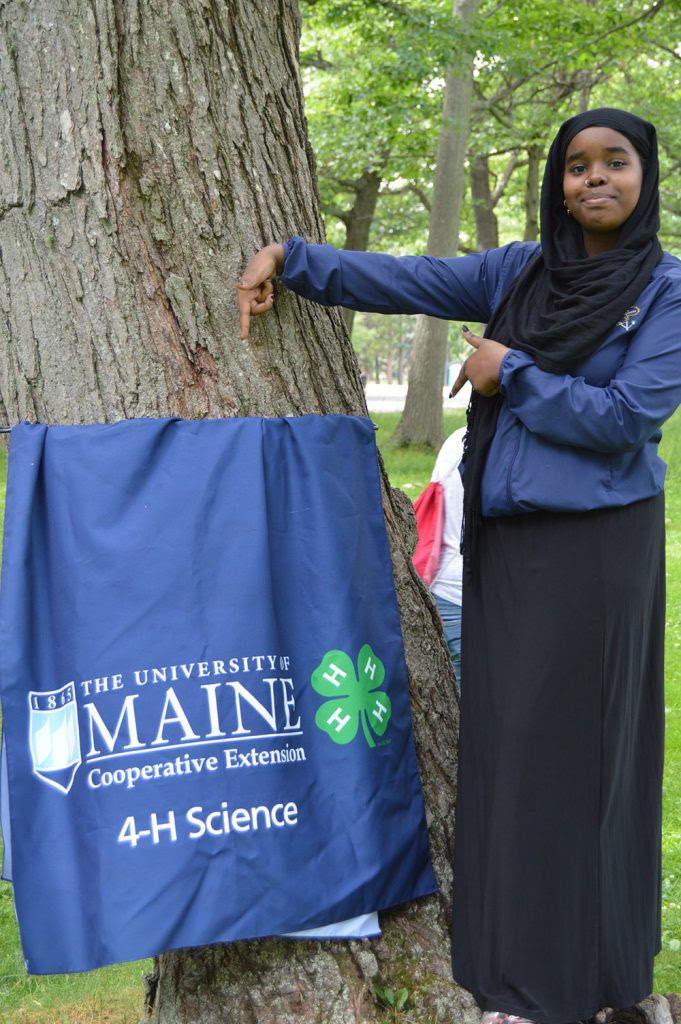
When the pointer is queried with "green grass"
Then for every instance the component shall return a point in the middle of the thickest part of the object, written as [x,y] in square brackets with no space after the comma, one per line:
[113,995]
[668,963]
[410,467]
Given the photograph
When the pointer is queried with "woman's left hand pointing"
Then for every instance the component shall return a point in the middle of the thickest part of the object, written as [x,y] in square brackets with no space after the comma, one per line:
[482,368]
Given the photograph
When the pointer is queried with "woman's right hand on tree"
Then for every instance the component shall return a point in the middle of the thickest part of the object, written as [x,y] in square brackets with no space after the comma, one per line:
[254,288]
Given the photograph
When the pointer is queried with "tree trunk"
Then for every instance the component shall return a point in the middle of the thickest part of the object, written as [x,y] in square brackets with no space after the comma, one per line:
[534,158]
[358,222]
[400,361]
[486,226]
[389,362]
[421,420]
[146,151]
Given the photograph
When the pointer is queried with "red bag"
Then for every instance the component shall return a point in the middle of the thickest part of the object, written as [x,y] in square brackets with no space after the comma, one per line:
[429,509]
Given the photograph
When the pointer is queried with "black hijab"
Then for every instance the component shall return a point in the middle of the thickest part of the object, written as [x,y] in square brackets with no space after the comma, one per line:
[563,304]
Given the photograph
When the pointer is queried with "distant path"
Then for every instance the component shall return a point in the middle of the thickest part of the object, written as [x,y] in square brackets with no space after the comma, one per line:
[390,397]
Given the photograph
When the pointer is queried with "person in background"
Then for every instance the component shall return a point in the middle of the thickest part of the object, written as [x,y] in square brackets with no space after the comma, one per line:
[446,585]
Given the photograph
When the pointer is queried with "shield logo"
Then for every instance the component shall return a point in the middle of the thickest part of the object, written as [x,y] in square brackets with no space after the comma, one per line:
[54,737]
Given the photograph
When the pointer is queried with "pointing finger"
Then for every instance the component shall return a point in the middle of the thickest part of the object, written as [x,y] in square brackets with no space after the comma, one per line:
[459,382]
[244,298]
[257,299]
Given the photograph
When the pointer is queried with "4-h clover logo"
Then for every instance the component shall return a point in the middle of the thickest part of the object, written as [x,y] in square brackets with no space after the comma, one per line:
[355,699]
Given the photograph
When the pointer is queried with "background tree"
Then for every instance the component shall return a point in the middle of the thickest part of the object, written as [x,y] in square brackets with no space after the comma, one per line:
[421,419]
[369,70]
[383,345]
[146,151]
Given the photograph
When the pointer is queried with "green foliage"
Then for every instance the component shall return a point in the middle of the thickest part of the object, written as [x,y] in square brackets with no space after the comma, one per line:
[383,344]
[395,1000]
[374,78]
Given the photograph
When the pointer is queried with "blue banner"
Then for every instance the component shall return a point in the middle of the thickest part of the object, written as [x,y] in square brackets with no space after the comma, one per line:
[207,733]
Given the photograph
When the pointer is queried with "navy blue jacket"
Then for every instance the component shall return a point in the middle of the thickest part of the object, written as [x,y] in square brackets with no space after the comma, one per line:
[563,441]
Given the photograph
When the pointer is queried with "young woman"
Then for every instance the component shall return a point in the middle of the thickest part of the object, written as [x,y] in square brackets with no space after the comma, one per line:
[557,862]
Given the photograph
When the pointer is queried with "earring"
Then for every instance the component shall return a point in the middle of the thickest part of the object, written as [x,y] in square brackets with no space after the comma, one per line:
[566,208]
[588,182]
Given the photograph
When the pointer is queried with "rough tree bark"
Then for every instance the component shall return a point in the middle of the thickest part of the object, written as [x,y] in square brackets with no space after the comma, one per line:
[421,420]
[146,150]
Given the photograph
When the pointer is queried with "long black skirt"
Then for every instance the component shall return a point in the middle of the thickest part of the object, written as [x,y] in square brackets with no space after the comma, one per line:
[558,824]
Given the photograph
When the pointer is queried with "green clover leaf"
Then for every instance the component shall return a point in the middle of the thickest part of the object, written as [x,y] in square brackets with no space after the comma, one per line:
[353,700]
[335,675]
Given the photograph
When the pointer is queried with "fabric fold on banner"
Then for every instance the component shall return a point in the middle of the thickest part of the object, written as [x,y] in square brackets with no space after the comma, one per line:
[206,726]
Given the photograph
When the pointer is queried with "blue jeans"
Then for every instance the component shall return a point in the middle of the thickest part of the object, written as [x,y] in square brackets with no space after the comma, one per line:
[450,614]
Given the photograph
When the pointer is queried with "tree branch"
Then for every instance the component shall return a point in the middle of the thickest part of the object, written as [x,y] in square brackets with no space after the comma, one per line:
[418,191]
[500,187]
[497,7]
[675,166]
[335,211]
[410,186]
[667,49]
[310,60]
[670,205]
